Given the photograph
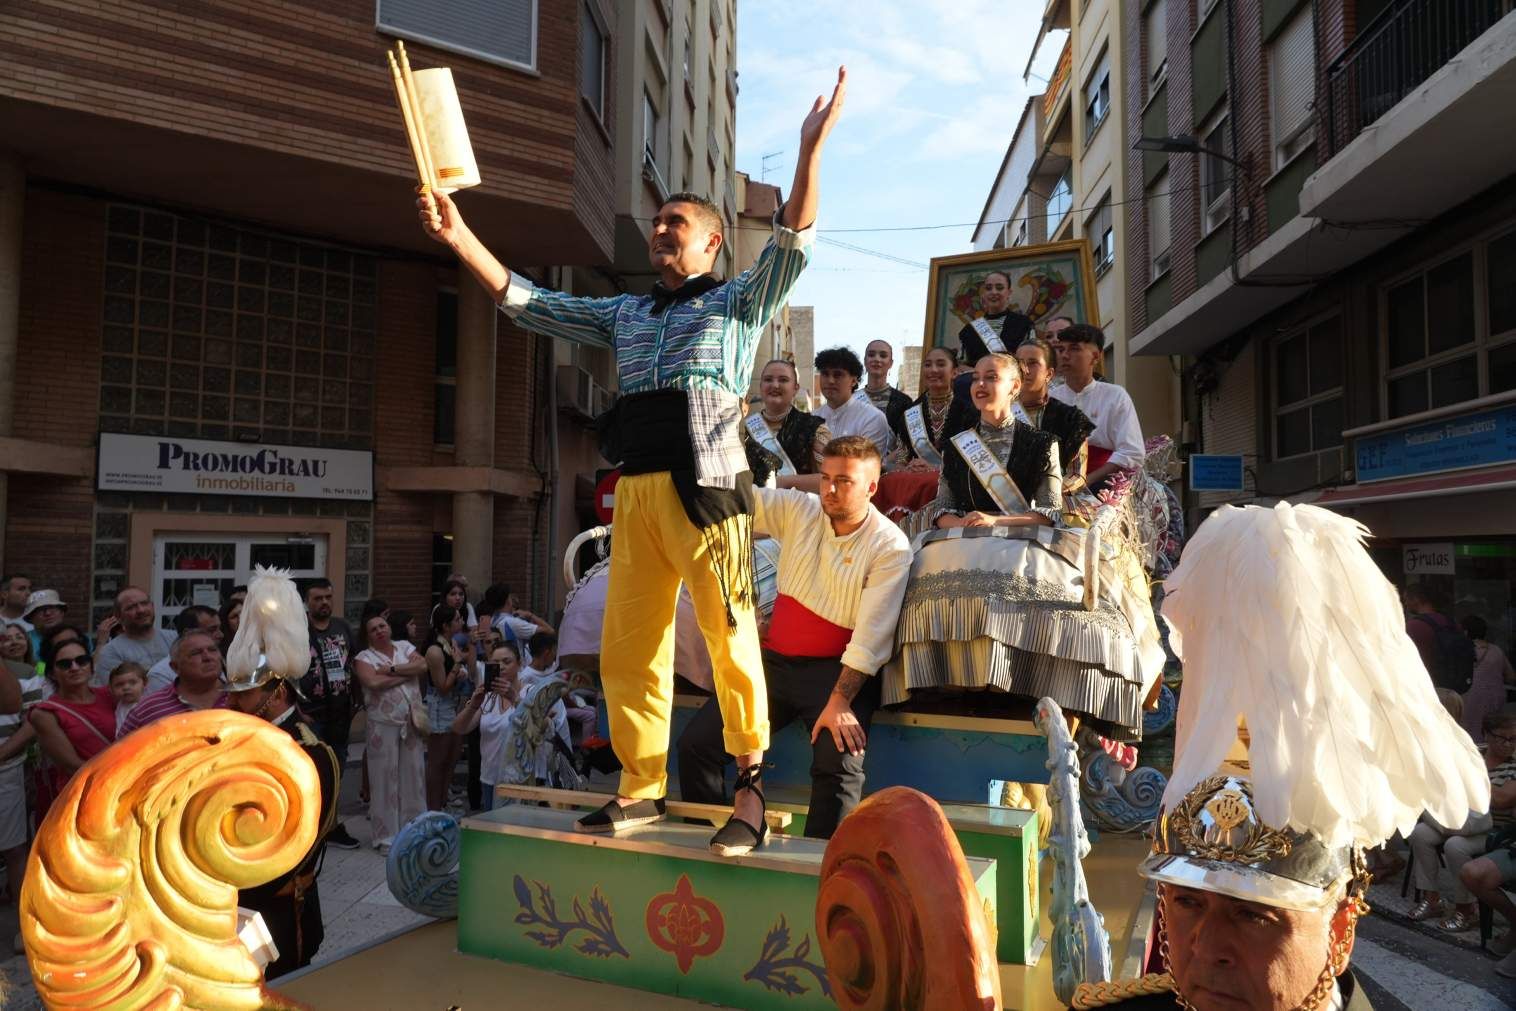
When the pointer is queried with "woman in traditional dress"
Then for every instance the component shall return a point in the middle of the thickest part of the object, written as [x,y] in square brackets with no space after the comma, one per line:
[1064,422]
[921,435]
[998,604]
[782,442]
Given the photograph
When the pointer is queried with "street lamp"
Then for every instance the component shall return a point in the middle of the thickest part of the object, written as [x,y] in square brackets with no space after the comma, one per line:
[1183,143]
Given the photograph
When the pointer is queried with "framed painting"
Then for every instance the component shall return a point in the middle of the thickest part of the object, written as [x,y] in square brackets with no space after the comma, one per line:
[1053,279]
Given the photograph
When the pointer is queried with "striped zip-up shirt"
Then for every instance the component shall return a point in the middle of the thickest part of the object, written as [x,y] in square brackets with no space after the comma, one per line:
[856,580]
[702,345]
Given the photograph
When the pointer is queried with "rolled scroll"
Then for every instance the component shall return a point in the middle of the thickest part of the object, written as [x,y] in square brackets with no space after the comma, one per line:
[434,126]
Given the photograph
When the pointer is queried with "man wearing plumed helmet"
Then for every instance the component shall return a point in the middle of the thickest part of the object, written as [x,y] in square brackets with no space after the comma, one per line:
[263,666]
[1258,854]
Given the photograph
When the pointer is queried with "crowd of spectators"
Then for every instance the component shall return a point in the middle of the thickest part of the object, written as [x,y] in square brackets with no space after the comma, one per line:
[429,689]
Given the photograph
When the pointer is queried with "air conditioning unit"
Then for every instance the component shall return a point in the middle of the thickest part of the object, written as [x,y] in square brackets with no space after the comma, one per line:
[576,389]
[602,399]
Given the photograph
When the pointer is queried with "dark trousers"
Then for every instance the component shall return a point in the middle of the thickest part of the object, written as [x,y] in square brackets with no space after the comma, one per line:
[798,688]
[333,723]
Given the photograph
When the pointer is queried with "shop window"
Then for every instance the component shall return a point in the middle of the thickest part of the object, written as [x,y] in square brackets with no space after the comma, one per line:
[1439,349]
[502,31]
[445,381]
[1307,374]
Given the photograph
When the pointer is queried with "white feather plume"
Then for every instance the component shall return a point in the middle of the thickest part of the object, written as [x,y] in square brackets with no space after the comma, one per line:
[273,624]
[1282,618]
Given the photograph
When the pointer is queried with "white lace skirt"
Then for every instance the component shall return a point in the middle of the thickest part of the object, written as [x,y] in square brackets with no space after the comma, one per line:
[993,610]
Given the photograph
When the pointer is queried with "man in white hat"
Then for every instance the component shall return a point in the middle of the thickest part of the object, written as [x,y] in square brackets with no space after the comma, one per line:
[1260,861]
[264,665]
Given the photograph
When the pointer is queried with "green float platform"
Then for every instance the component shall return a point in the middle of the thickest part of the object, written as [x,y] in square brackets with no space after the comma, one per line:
[650,908]
[423,970]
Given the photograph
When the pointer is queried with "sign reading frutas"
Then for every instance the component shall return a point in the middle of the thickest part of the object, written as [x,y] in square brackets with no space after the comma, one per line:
[203,467]
[1428,559]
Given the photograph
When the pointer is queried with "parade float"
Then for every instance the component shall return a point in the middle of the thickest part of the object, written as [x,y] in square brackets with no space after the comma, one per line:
[934,893]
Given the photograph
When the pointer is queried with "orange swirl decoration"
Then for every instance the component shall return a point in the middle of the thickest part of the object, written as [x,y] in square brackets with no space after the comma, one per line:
[130,897]
[900,922]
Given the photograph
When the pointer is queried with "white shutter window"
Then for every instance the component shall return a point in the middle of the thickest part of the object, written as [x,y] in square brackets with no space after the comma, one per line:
[498,31]
[1292,85]
[593,45]
[1101,235]
[1159,236]
[1156,29]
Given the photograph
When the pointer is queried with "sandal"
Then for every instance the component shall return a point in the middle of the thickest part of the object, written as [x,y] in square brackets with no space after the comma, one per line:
[1426,909]
[1459,922]
[613,817]
[737,838]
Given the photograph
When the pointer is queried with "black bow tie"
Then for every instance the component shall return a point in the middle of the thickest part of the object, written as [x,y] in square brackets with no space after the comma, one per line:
[664,296]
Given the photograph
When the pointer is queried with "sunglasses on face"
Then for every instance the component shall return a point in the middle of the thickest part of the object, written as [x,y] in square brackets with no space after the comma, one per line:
[70,662]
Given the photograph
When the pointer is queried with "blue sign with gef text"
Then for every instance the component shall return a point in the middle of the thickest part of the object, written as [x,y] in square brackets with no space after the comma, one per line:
[1215,472]
[1457,443]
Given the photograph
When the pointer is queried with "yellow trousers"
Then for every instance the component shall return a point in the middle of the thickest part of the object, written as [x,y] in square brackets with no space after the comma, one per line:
[654,547]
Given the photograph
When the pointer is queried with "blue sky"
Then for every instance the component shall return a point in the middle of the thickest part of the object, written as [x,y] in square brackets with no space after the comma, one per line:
[934,91]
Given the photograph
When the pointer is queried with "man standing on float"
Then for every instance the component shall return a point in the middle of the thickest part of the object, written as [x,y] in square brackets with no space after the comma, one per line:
[684,504]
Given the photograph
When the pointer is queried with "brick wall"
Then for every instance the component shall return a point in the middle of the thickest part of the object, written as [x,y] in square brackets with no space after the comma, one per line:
[297,77]
[50,519]
[403,409]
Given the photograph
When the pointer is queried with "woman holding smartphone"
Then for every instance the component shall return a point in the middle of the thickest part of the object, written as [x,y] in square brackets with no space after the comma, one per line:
[489,709]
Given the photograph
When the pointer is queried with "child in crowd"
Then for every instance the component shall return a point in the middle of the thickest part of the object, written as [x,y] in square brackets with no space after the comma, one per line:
[127,683]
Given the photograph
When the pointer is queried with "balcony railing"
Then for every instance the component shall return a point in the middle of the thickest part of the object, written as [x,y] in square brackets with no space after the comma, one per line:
[1394,53]
[1060,82]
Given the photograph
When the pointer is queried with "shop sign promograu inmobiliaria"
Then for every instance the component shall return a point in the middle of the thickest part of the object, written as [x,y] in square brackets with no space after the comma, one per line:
[154,463]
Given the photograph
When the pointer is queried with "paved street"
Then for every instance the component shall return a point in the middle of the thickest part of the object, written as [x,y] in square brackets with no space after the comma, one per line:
[1405,966]
[1415,966]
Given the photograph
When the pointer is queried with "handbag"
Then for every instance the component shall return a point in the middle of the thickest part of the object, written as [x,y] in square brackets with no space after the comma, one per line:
[419,718]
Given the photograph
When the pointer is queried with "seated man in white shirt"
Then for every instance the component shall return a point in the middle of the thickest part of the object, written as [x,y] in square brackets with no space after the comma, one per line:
[848,410]
[842,575]
[1116,444]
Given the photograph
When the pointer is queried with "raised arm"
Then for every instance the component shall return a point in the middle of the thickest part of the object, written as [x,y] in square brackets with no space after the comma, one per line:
[805,191]
[586,320]
[442,222]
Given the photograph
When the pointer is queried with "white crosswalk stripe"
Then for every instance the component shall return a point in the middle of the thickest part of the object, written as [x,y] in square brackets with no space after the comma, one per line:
[1417,986]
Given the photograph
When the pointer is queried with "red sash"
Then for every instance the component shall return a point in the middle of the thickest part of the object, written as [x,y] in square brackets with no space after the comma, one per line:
[796,630]
[1099,456]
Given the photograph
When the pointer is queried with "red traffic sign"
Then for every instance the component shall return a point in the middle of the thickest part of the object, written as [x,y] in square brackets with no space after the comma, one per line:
[605,495]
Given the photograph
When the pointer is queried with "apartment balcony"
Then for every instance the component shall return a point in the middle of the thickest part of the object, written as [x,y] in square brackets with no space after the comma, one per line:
[1414,111]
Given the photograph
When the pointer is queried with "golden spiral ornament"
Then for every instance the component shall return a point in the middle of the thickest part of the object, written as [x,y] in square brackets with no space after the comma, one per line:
[898,918]
[130,899]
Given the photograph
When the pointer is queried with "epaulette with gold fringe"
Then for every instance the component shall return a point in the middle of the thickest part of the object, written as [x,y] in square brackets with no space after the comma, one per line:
[1093,995]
